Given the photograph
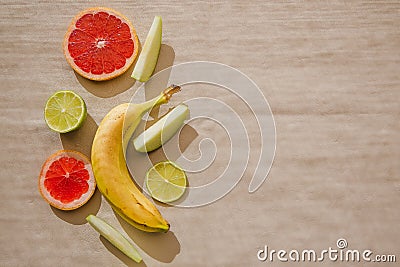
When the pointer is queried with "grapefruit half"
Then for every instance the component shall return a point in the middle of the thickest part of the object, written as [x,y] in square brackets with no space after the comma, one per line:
[100,44]
[66,180]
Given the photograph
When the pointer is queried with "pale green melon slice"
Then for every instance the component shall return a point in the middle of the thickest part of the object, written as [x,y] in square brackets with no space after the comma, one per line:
[148,57]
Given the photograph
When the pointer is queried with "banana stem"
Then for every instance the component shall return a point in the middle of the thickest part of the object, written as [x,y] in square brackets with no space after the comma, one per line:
[172,89]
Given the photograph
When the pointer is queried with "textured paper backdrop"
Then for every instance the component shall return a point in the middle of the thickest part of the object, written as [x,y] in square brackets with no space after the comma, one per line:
[331,73]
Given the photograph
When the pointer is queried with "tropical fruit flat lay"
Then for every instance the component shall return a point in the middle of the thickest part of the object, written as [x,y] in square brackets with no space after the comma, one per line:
[101,44]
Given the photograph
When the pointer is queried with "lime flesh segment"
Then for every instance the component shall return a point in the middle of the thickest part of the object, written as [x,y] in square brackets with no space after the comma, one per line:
[115,237]
[65,111]
[166,182]
[163,130]
[148,57]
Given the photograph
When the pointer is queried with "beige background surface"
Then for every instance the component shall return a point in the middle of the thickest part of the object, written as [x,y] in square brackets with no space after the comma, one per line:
[331,73]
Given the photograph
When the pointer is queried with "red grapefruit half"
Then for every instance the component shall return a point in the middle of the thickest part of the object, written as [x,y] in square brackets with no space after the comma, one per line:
[66,180]
[100,44]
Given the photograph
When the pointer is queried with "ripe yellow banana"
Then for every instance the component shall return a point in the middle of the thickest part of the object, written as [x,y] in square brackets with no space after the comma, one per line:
[110,170]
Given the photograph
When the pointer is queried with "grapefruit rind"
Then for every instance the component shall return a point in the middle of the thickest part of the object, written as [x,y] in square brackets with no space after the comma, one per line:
[77,202]
[105,76]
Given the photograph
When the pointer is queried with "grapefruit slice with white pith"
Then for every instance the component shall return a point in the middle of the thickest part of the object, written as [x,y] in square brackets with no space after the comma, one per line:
[100,44]
[66,180]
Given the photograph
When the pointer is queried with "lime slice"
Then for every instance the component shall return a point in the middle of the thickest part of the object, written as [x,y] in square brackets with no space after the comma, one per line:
[115,237]
[151,49]
[163,130]
[166,182]
[65,111]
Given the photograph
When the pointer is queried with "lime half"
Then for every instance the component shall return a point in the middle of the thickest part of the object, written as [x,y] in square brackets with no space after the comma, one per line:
[65,111]
[166,182]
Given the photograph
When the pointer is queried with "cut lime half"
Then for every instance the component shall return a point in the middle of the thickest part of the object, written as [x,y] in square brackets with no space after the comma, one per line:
[65,111]
[166,182]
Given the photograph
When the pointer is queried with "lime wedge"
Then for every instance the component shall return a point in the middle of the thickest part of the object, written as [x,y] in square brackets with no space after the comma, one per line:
[65,111]
[166,182]
[163,130]
[148,57]
[115,237]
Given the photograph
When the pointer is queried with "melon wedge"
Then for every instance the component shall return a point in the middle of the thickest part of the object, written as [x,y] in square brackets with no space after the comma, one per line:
[163,130]
[148,57]
[115,237]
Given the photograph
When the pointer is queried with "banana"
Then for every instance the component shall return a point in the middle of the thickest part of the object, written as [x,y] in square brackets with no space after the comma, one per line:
[110,170]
